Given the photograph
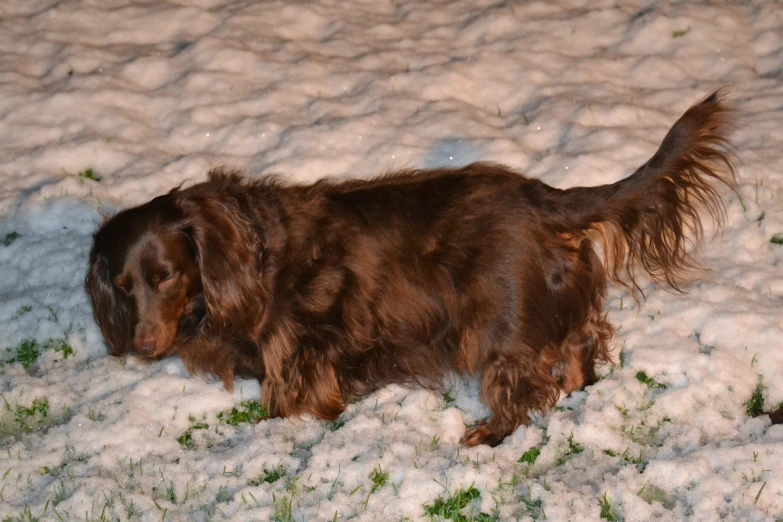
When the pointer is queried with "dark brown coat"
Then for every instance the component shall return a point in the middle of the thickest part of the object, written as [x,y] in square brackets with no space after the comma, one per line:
[333,290]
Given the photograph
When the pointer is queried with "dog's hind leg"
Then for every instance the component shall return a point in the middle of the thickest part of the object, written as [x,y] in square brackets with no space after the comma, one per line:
[511,387]
[581,349]
[587,334]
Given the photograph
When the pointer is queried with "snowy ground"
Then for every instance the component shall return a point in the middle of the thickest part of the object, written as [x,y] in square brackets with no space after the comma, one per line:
[150,94]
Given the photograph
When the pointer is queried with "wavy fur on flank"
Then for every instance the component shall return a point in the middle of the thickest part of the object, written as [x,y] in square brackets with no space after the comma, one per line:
[332,290]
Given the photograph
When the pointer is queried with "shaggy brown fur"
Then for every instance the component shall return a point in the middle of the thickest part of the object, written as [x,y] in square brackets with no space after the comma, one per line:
[335,289]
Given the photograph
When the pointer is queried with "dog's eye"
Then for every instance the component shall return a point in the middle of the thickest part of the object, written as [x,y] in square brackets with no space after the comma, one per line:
[163,282]
[157,279]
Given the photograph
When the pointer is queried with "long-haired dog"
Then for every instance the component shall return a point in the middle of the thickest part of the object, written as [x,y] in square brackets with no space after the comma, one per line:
[329,291]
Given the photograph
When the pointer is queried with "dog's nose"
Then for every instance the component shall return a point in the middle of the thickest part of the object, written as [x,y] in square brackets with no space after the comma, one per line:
[144,341]
[144,346]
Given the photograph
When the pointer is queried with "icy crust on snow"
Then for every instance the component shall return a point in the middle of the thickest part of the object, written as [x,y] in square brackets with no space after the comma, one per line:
[149,95]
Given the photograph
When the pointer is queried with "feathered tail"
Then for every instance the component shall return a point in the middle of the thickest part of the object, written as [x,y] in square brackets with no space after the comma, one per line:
[651,218]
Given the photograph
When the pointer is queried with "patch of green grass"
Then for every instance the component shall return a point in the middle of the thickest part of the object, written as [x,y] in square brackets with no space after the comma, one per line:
[574,448]
[223,496]
[680,34]
[378,478]
[55,471]
[247,412]
[533,508]
[59,345]
[606,508]
[28,417]
[755,405]
[38,417]
[22,310]
[646,434]
[38,406]
[95,416]
[530,456]
[284,510]
[186,439]
[89,174]
[10,238]
[447,397]
[759,493]
[454,507]
[29,351]
[169,492]
[339,423]
[268,476]
[25,516]
[640,462]
[777,239]
[61,494]
[651,383]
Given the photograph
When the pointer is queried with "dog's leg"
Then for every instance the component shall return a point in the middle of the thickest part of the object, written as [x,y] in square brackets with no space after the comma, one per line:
[307,383]
[580,351]
[511,387]
[578,357]
[587,341]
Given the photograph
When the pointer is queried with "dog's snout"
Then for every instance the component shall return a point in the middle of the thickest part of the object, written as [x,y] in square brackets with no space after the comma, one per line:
[144,340]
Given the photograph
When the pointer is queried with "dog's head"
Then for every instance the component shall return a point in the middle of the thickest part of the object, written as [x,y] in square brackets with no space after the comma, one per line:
[185,261]
[144,280]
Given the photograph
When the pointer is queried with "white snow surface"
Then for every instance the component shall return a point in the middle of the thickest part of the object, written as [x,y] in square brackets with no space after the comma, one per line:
[152,94]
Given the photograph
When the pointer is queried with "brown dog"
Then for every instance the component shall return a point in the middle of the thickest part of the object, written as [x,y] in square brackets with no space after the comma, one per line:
[332,290]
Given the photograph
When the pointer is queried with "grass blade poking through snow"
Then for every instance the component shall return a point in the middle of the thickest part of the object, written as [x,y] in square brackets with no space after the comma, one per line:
[606,508]
[530,456]
[651,383]
[755,405]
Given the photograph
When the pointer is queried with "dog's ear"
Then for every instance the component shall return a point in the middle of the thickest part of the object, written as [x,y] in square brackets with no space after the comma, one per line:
[229,251]
[111,308]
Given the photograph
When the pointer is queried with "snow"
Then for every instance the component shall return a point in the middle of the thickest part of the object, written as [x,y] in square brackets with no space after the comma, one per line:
[152,94]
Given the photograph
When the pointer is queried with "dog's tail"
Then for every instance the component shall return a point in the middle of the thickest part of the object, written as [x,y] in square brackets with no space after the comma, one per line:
[651,217]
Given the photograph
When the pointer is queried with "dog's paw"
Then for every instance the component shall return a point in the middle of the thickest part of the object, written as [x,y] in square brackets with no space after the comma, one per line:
[483,433]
